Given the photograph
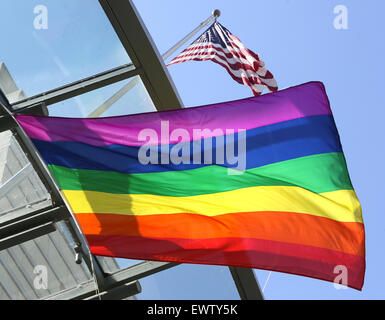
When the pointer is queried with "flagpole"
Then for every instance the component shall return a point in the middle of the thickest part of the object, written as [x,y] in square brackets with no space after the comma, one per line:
[216,13]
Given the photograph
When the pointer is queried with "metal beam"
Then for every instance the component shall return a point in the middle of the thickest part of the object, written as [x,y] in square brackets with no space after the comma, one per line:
[25,236]
[24,210]
[86,291]
[6,123]
[33,220]
[12,182]
[115,280]
[246,283]
[109,102]
[76,88]
[6,120]
[138,43]
[122,292]
[140,270]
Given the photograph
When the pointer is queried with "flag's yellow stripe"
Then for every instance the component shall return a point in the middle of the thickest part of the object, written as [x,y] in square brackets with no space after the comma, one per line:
[341,205]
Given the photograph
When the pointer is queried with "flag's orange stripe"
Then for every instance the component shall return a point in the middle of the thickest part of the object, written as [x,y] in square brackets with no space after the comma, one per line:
[347,237]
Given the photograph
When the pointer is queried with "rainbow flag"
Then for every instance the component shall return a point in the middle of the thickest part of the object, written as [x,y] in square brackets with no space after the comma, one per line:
[259,182]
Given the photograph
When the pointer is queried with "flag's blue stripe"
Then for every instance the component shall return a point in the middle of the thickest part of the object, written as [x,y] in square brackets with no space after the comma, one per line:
[265,145]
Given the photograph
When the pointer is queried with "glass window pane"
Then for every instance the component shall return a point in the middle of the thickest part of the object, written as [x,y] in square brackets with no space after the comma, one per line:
[121,98]
[190,282]
[125,263]
[50,44]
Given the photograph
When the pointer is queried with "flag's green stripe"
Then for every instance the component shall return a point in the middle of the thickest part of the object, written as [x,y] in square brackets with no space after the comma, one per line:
[317,173]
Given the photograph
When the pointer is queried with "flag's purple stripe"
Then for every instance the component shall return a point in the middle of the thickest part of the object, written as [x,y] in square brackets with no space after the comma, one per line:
[296,102]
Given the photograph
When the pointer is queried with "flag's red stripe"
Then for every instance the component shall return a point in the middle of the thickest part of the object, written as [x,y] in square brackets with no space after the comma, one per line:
[212,56]
[233,51]
[230,54]
[244,80]
[235,66]
[251,79]
[242,49]
[253,54]
[240,80]
[251,253]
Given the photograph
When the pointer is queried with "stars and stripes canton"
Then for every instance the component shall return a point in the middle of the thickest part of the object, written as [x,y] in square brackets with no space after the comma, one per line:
[220,46]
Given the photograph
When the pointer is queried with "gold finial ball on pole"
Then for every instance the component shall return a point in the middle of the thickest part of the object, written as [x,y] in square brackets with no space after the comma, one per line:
[216,13]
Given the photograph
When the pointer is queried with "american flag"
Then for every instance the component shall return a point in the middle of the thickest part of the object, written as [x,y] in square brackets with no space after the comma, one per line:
[219,45]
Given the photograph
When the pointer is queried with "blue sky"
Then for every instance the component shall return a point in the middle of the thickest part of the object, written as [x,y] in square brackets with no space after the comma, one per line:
[297,41]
